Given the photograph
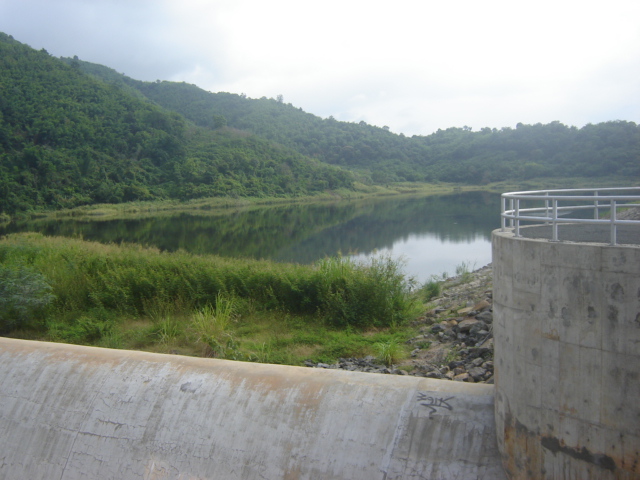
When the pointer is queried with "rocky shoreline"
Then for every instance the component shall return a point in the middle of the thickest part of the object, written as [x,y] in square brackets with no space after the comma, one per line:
[456,335]
[455,340]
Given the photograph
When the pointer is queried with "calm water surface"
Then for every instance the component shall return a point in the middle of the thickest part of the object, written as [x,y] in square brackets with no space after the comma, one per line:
[431,234]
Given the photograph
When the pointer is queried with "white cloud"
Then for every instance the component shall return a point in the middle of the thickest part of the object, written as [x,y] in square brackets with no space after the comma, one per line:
[414,65]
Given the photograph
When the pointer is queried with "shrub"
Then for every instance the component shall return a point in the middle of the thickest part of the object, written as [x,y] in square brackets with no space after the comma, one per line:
[432,288]
[84,330]
[24,294]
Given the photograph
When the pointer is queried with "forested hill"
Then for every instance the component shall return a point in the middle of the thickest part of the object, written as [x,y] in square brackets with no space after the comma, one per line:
[355,146]
[454,154]
[67,139]
[74,133]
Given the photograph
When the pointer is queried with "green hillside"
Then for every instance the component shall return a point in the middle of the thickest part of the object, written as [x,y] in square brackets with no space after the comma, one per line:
[68,139]
[454,155]
[74,133]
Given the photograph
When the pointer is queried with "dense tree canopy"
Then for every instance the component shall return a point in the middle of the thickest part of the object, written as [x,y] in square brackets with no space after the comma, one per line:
[453,155]
[74,133]
[67,138]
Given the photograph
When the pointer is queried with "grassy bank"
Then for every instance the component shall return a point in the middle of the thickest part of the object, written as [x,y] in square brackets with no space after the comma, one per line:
[361,191]
[215,204]
[126,296]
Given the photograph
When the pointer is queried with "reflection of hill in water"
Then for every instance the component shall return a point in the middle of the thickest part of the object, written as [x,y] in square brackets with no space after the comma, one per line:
[300,233]
[452,218]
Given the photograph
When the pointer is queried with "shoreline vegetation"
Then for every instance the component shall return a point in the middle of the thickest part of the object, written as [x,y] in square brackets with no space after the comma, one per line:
[136,298]
[212,205]
[216,204]
[132,297]
[127,296]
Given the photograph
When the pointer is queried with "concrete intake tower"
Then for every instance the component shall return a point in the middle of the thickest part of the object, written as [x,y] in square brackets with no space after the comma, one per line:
[567,336]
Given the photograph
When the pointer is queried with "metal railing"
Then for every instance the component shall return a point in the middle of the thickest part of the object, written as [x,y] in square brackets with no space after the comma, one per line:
[554,207]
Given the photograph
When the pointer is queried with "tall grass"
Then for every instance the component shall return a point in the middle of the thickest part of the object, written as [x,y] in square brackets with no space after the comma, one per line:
[369,294]
[464,271]
[434,286]
[129,281]
[211,325]
[389,352]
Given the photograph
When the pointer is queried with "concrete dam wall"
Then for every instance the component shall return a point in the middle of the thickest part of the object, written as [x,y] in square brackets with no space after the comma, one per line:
[567,354]
[73,412]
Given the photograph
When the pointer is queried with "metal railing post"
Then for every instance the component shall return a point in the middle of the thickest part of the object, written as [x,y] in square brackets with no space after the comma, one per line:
[511,209]
[613,222]
[546,206]
[554,225]
[517,217]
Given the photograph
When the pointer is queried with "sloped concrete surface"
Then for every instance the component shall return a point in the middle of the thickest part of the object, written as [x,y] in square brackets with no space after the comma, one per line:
[72,412]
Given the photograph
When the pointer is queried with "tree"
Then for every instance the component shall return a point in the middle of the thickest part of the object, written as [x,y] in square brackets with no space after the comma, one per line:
[219,121]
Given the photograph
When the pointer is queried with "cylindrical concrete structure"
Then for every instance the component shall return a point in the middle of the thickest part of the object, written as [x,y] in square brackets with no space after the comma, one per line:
[72,412]
[567,354]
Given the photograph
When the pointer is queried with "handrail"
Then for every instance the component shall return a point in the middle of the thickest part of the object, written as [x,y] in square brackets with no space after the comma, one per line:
[600,200]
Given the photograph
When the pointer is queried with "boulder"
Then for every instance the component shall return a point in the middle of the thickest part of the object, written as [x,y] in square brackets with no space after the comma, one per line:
[466,324]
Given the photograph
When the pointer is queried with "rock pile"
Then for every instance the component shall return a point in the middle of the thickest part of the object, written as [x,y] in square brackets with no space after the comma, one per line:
[367,364]
[629,214]
[455,340]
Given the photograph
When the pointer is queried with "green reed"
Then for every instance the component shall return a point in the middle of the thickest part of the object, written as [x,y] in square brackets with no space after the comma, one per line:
[97,290]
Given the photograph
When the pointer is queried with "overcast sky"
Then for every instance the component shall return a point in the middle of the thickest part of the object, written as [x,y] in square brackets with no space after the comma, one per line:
[413,65]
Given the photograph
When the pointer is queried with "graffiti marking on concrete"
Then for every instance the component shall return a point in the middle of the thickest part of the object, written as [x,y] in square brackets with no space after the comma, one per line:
[434,403]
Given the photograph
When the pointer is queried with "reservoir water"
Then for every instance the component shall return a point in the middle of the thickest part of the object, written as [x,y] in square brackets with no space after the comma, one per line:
[432,235]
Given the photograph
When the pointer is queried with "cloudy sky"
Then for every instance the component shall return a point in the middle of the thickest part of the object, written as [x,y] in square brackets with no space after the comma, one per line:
[413,65]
